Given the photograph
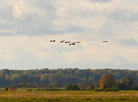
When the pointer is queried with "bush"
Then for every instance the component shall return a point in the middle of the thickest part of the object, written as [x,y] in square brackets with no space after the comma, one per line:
[6,89]
[98,89]
[135,87]
[29,90]
[115,89]
[90,87]
[72,87]
[111,89]
[108,89]
[52,89]
[48,89]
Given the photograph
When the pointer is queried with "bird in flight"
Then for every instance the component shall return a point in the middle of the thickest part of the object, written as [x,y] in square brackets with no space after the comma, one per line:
[62,41]
[74,43]
[67,42]
[104,41]
[52,40]
[77,42]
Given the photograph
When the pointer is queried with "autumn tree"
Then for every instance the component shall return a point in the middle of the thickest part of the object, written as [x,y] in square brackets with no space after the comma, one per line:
[107,81]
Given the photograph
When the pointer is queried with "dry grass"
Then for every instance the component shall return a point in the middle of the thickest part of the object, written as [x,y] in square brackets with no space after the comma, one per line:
[51,94]
[72,95]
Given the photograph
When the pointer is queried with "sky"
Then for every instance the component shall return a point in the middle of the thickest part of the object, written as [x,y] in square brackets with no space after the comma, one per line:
[27,26]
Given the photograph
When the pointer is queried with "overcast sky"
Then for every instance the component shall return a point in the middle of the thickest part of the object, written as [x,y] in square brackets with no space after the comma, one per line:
[26,26]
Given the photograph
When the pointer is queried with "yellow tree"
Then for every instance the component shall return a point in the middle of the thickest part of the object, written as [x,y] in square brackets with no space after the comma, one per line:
[107,81]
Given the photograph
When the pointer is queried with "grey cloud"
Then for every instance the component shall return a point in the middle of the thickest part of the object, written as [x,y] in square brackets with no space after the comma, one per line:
[124,64]
[128,42]
[100,1]
[5,11]
[40,28]
[6,19]
[6,29]
[32,23]
[43,31]
[124,16]
[6,34]
[5,26]
[24,62]
[35,24]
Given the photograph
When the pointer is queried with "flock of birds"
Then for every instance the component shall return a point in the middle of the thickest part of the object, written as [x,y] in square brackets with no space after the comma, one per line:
[66,42]
[72,43]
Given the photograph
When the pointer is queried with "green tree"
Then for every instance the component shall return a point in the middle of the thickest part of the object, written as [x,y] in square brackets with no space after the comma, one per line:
[128,81]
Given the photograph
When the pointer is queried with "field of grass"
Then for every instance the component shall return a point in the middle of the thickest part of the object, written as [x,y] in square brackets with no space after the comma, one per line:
[68,96]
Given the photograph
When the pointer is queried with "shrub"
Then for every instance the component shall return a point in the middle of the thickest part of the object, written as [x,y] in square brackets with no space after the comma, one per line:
[6,89]
[90,87]
[72,87]
[48,89]
[135,87]
[98,89]
[115,89]
[111,89]
[29,89]
[108,89]
[10,89]
[52,89]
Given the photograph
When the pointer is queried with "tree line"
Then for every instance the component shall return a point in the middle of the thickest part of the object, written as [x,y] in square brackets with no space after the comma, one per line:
[84,78]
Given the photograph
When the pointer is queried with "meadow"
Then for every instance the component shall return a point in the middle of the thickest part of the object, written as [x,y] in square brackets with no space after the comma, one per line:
[68,96]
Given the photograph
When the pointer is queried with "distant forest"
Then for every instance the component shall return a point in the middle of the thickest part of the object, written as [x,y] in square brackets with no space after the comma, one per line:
[61,76]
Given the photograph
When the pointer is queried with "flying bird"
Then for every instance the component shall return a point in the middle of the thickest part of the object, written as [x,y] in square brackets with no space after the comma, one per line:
[74,43]
[104,41]
[52,40]
[67,42]
[62,41]
[77,42]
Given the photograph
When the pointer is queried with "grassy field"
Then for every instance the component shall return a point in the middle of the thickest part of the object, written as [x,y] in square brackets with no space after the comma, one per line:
[68,96]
